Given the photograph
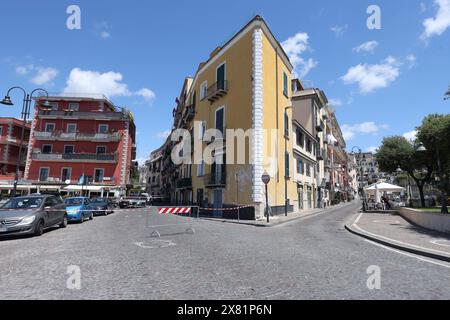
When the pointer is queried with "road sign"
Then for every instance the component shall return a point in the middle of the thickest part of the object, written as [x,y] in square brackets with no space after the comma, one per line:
[265,178]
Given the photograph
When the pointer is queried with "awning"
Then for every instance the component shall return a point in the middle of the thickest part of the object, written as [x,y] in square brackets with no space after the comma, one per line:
[87,188]
[383,187]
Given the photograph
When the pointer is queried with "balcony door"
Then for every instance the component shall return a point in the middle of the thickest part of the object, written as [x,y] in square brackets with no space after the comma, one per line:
[218,202]
[220,77]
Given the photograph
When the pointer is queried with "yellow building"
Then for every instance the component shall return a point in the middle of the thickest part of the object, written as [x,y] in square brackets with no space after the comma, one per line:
[245,84]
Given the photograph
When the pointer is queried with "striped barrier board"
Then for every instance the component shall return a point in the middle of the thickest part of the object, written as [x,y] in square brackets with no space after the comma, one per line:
[174,210]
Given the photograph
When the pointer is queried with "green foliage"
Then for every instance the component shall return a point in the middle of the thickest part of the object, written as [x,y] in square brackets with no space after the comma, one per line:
[395,152]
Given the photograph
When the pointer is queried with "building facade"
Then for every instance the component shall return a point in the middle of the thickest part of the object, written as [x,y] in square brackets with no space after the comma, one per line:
[154,182]
[85,141]
[10,144]
[245,89]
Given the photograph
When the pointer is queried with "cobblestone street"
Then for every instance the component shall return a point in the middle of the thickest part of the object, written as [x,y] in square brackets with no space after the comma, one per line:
[310,258]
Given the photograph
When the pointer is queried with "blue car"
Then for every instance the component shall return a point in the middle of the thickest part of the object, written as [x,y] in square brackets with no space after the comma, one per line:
[79,209]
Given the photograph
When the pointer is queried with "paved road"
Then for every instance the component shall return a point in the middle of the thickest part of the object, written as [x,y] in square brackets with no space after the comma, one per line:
[313,258]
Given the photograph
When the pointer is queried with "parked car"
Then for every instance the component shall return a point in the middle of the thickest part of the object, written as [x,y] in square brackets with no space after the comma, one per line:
[79,209]
[31,215]
[133,202]
[102,206]
[3,201]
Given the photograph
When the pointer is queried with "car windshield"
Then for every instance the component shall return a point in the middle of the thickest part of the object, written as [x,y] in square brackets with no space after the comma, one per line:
[23,203]
[98,201]
[74,201]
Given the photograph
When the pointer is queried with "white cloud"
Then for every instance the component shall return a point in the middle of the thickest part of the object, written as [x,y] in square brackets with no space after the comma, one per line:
[339,30]
[368,46]
[411,60]
[44,76]
[108,83]
[39,75]
[335,102]
[372,149]
[440,23]
[105,34]
[411,136]
[147,94]
[423,7]
[371,77]
[350,131]
[295,46]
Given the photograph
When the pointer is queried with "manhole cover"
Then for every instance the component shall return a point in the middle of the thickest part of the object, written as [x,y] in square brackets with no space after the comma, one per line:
[155,244]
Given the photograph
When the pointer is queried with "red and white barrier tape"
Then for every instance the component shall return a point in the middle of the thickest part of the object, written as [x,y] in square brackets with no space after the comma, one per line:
[174,210]
[225,209]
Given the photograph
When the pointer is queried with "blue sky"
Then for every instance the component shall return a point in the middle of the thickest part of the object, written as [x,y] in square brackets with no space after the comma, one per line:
[382,82]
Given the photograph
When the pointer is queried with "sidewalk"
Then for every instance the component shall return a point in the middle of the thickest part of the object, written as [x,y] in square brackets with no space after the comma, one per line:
[394,231]
[280,219]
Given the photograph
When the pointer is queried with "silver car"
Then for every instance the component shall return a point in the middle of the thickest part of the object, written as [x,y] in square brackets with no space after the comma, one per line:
[31,215]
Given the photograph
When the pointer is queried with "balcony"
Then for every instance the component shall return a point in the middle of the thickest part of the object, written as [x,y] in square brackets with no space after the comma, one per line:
[189,113]
[63,136]
[217,180]
[216,91]
[74,115]
[328,164]
[185,183]
[75,157]
[321,155]
[320,126]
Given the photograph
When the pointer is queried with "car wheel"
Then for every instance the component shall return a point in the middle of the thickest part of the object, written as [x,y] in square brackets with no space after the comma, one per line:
[105,213]
[63,222]
[81,218]
[39,228]
[91,217]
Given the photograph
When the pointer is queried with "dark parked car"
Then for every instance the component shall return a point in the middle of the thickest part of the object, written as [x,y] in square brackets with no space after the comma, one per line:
[102,206]
[31,215]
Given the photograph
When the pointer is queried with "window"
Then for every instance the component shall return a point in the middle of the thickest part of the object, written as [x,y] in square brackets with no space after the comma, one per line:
[308,170]
[101,149]
[201,169]
[203,90]
[201,130]
[54,106]
[1,130]
[99,175]
[43,174]
[221,76]
[300,138]
[286,124]
[71,128]
[300,168]
[308,145]
[286,165]
[73,106]
[49,127]
[220,119]
[70,149]
[66,174]
[103,128]
[47,148]
[285,84]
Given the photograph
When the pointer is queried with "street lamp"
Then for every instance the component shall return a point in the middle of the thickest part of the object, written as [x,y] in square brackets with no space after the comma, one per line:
[27,99]
[408,191]
[286,135]
[361,185]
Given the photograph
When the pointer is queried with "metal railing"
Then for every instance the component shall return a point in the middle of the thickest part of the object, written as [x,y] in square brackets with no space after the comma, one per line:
[218,179]
[43,135]
[74,156]
[217,90]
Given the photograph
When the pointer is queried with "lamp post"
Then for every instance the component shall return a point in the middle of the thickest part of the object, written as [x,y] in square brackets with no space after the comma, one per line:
[266,179]
[27,99]
[286,173]
[361,185]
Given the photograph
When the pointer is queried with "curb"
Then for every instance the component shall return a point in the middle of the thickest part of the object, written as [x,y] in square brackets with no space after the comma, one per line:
[424,253]
[264,224]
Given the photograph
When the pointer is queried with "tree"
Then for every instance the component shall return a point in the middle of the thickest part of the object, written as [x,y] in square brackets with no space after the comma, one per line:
[397,152]
[447,94]
[434,133]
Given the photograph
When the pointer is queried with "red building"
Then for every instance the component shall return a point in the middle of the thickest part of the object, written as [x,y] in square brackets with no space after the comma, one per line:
[79,137]
[10,134]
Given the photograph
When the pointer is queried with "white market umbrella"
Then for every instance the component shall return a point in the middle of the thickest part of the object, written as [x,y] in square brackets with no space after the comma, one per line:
[384,187]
